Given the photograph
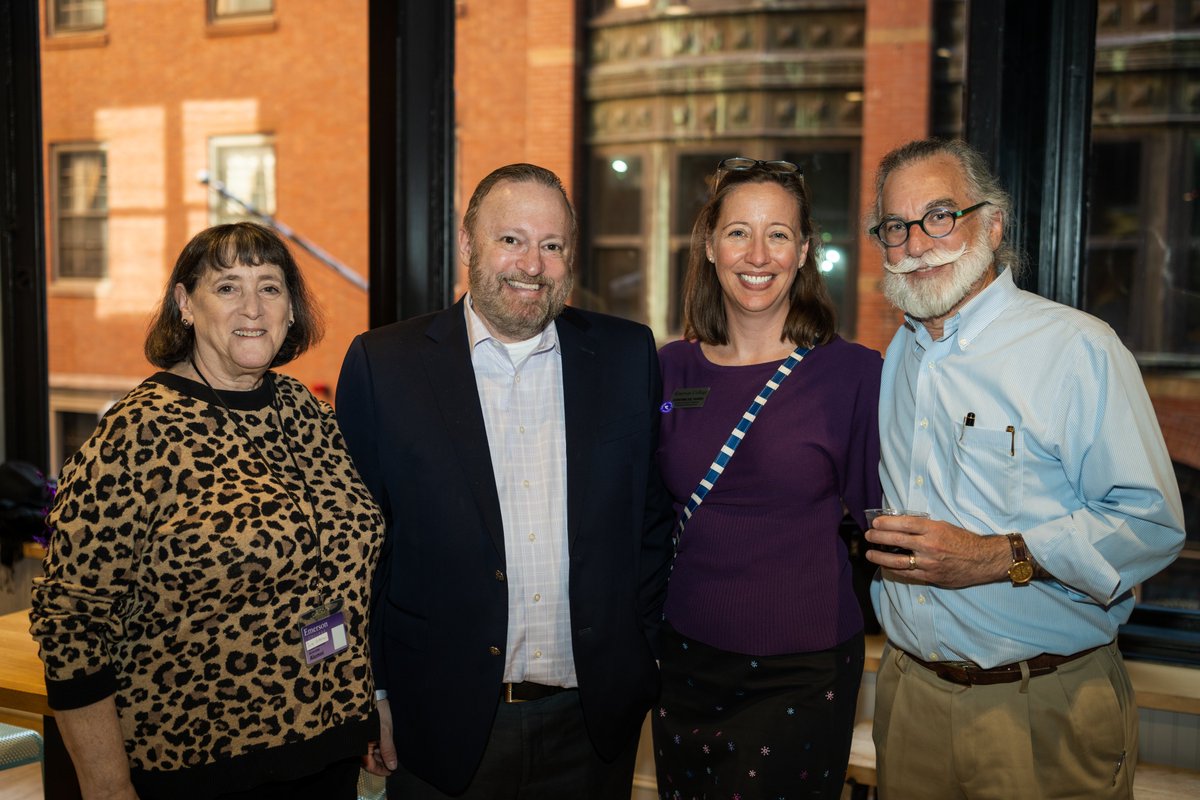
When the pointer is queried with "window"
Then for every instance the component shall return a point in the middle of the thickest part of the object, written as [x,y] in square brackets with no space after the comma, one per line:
[73,429]
[616,274]
[689,195]
[228,9]
[74,16]
[81,211]
[1142,276]
[245,167]
[831,177]
[76,406]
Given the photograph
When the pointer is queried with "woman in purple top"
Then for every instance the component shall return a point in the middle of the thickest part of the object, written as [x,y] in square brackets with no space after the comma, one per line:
[763,643]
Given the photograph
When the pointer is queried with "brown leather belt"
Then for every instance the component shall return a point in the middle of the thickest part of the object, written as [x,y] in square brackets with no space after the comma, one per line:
[525,691]
[965,673]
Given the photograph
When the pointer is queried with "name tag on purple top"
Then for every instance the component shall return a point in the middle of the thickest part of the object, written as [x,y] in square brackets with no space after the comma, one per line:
[690,398]
[324,637]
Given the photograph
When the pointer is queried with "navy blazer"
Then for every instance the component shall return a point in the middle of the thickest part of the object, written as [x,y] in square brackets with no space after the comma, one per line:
[409,408]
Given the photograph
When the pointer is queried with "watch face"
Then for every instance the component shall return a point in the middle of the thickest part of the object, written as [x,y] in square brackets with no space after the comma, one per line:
[1021,572]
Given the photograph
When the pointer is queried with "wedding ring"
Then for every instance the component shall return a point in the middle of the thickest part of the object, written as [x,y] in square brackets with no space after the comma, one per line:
[912,561]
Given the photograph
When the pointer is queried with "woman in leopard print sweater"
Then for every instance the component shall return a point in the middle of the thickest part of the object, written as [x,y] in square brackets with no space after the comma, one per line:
[211,513]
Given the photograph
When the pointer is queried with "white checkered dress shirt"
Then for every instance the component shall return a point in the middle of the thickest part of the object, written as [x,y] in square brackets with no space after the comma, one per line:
[526,429]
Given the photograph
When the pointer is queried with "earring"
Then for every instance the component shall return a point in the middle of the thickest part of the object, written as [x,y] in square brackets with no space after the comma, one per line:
[291,322]
[187,323]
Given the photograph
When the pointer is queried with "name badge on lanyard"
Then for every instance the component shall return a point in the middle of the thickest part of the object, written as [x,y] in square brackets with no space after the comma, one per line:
[323,632]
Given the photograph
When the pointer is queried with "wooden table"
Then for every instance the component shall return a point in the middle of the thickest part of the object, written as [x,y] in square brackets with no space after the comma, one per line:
[23,688]
[22,682]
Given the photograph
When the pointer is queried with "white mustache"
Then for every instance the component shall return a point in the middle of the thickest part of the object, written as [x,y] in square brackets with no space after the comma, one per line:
[933,258]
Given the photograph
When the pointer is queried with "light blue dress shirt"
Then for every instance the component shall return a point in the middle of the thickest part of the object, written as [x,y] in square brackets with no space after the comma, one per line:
[1065,448]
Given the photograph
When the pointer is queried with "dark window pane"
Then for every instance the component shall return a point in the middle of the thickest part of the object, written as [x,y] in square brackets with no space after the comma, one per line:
[74,428]
[830,178]
[679,267]
[616,196]
[619,286]
[691,190]
[1113,227]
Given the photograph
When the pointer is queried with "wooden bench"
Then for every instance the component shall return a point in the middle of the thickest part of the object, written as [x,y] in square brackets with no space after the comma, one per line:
[1150,782]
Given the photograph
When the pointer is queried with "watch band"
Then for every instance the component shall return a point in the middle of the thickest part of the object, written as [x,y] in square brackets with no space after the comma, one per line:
[1020,572]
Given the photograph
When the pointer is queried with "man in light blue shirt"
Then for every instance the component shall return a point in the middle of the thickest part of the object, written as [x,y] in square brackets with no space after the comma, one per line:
[1022,429]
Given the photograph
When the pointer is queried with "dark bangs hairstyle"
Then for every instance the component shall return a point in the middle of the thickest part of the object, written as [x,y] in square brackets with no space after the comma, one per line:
[812,317]
[221,247]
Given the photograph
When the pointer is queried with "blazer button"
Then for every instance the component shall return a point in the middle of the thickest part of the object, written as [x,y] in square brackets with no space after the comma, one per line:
[499,576]
[494,650]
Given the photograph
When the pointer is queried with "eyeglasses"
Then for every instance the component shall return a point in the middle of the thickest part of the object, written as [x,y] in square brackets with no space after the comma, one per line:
[741,164]
[937,223]
[738,163]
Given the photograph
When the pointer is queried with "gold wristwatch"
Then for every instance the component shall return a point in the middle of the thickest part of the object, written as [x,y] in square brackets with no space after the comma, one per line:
[1021,570]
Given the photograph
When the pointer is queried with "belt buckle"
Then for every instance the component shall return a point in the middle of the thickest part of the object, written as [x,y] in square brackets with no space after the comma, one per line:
[508,695]
[954,674]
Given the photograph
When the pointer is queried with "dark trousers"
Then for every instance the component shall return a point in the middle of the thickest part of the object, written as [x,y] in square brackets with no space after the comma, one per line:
[337,781]
[538,750]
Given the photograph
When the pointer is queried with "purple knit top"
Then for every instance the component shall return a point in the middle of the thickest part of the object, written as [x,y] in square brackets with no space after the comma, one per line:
[761,569]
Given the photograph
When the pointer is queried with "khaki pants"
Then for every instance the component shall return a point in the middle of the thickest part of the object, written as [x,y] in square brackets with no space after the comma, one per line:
[1070,734]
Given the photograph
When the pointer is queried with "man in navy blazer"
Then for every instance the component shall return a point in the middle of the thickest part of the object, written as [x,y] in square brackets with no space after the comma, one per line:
[510,441]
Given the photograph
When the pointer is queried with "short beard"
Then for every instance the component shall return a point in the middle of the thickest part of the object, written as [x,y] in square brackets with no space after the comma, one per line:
[511,317]
[934,298]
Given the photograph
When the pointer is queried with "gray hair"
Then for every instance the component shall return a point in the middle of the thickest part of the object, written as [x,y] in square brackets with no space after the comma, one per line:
[981,181]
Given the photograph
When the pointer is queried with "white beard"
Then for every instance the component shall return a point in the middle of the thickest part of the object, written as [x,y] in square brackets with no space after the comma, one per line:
[932,298]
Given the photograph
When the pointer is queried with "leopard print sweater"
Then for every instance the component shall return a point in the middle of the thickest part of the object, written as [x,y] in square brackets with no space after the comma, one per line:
[180,563]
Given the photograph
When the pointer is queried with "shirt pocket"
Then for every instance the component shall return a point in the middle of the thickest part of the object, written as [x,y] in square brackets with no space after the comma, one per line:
[986,470]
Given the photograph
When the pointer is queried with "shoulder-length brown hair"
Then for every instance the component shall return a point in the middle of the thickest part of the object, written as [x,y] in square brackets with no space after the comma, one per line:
[168,341]
[811,319]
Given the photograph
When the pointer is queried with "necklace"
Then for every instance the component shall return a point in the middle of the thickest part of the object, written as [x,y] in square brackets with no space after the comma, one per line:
[287,443]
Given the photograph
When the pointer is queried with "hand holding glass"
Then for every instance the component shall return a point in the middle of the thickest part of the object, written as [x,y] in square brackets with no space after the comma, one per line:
[872,513]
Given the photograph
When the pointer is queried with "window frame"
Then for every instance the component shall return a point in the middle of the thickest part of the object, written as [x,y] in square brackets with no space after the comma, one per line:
[217,144]
[641,241]
[54,28]
[56,150]
[77,400]
[216,16]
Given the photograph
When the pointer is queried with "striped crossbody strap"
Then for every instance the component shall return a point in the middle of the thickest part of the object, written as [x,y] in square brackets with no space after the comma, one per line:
[735,438]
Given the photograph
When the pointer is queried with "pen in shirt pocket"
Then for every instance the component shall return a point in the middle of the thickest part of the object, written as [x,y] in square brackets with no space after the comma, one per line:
[968,422]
